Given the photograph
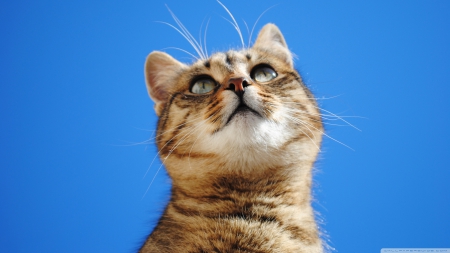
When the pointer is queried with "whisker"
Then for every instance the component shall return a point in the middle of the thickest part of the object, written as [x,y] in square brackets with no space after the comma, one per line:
[324,98]
[306,124]
[174,128]
[291,115]
[341,118]
[200,42]
[159,168]
[159,152]
[185,36]
[190,131]
[182,50]
[316,114]
[204,38]
[294,110]
[194,119]
[309,113]
[301,122]
[248,32]
[234,23]
[330,116]
[151,182]
[345,145]
[185,33]
[256,22]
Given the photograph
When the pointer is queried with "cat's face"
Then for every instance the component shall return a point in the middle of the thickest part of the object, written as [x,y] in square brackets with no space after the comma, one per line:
[242,107]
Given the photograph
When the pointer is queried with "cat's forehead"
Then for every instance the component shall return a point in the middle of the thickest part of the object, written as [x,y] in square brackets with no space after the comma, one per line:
[229,58]
[224,64]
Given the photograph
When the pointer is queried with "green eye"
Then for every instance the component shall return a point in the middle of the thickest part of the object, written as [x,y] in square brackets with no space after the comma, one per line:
[203,85]
[263,74]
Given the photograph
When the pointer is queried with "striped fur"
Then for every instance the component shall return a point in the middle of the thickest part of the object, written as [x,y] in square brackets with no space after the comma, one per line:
[241,179]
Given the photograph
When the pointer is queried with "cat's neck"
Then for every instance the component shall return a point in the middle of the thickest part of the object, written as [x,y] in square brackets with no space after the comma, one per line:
[279,198]
[288,184]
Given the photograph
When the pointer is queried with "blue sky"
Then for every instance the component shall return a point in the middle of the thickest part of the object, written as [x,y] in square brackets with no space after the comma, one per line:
[77,121]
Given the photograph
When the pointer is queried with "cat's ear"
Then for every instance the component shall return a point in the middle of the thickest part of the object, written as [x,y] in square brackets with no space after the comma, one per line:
[270,38]
[160,70]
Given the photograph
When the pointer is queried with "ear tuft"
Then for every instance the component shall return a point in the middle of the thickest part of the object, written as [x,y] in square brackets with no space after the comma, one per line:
[270,38]
[160,72]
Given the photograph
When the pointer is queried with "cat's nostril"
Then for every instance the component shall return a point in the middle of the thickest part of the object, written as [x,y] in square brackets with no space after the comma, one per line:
[245,83]
[231,87]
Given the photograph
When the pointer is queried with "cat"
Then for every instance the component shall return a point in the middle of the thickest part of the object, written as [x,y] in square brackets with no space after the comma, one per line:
[238,133]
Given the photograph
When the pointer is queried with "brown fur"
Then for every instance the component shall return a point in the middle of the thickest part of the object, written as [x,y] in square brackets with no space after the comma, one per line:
[240,184]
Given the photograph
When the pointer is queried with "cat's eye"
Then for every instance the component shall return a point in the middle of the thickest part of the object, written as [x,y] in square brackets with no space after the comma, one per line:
[263,73]
[203,85]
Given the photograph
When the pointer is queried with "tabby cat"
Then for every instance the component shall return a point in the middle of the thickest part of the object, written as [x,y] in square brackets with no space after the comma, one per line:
[238,133]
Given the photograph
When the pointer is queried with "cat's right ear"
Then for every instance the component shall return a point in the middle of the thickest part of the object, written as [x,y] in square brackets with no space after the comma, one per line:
[160,70]
[270,38]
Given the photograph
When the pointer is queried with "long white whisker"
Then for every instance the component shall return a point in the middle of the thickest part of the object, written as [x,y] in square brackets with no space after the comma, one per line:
[159,168]
[200,41]
[331,115]
[195,44]
[306,124]
[236,26]
[291,115]
[185,33]
[248,32]
[324,116]
[184,51]
[170,130]
[170,152]
[151,182]
[185,36]
[324,98]
[338,117]
[316,114]
[167,142]
[204,38]
[329,136]
[301,122]
[256,22]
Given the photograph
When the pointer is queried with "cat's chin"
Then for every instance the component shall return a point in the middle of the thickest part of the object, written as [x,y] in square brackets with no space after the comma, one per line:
[246,128]
[243,114]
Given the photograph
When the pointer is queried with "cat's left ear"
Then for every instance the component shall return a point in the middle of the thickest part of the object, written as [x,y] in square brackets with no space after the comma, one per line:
[271,39]
[160,72]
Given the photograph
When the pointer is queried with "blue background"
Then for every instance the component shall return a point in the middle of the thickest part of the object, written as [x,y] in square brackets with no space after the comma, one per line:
[77,124]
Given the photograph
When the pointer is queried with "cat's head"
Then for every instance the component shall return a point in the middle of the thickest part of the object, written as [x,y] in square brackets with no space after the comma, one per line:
[246,107]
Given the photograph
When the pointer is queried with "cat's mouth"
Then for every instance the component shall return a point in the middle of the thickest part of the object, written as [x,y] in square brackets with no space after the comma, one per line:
[241,110]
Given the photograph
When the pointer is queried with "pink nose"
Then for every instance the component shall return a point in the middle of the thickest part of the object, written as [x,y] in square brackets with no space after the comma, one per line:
[237,85]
